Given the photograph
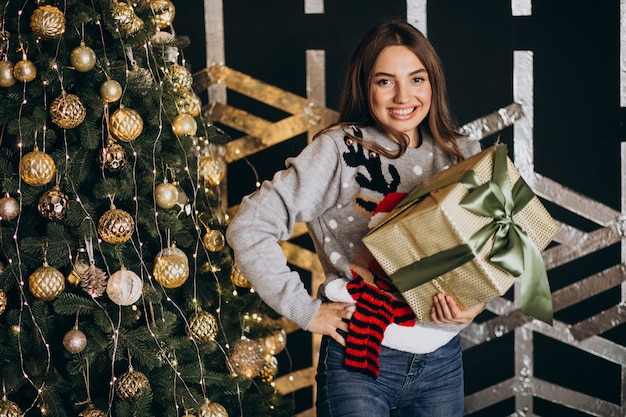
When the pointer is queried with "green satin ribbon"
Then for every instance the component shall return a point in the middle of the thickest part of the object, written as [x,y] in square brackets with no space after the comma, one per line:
[513,250]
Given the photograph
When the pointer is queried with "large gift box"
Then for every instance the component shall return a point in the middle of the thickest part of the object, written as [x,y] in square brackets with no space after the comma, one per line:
[469,232]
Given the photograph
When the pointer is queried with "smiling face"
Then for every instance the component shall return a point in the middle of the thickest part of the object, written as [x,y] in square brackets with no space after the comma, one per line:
[400,91]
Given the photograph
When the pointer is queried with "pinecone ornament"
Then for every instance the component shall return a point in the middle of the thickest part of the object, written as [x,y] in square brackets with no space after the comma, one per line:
[94,281]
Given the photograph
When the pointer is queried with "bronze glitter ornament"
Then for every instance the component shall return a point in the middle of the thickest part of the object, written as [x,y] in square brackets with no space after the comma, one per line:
[165,195]
[212,169]
[53,204]
[126,124]
[24,71]
[9,408]
[83,58]
[74,341]
[131,383]
[9,207]
[6,74]
[48,22]
[67,111]
[124,287]
[202,326]
[46,282]
[110,91]
[171,267]
[37,168]
[113,157]
[184,125]
[212,409]
[246,358]
[163,11]
[3,301]
[116,226]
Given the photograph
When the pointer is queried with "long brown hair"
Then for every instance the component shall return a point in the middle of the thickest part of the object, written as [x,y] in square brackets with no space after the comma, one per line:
[354,106]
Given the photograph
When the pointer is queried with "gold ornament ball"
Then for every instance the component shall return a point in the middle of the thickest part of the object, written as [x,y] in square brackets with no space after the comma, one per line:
[83,58]
[131,383]
[212,409]
[6,74]
[9,408]
[124,287]
[275,342]
[116,226]
[246,358]
[213,240]
[179,78]
[125,17]
[37,168]
[237,278]
[46,282]
[53,204]
[9,207]
[126,124]
[164,12]
[113,157]
[189,103]
[74,341]
[3,301]
[171,267]
[166,195]
[25,71]
[202,326]
[110,91]
[212,169]
[184,125]
[48,22]
[92,411]
[67,111]
[270,368]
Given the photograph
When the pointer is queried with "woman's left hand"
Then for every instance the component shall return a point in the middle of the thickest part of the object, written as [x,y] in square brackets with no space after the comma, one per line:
[446,311]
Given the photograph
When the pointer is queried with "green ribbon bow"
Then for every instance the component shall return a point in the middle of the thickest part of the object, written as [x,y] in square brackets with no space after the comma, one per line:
[513,250]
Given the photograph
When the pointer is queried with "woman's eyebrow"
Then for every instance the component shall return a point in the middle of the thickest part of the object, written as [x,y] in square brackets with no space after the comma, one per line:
[386,74]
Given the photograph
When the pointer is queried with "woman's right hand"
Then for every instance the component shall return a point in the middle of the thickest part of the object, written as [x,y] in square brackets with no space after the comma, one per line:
[332,317]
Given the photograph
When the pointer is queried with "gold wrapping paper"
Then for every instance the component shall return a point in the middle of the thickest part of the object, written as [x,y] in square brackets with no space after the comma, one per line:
[436,223]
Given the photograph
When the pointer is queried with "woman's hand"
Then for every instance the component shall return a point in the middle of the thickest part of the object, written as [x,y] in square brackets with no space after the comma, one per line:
[446,311]
[330,318]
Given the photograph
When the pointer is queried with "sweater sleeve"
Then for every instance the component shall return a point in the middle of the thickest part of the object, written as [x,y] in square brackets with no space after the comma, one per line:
[303,191]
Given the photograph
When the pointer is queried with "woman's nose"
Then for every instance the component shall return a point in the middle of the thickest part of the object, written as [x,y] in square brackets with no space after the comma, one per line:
[401,94]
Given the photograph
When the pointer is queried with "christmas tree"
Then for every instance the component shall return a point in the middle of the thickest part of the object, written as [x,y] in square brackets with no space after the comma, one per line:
[118,295]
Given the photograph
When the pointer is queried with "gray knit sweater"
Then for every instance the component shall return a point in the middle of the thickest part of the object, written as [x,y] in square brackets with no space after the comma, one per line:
[336,187]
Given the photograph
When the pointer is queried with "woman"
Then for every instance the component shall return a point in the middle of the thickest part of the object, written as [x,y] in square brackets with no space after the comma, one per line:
[394,131]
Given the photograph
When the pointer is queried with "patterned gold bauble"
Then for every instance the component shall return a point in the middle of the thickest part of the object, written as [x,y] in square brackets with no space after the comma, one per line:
[212,169]
[113,157]
[46,282]
[3,301]
[92,411]
[213,240]
[164,12]
[165,195]
[275,342]
[9,207]
[53,204]
[184,125]
[126,124]
[48,22]
[9,408]
[189,103]
[131,383]
[171,267]
[83,58]
[124,287]
[125,18]
[74,341]
[6,74]
[37,168]
[237,278]
[110,91]
[67,111]
[178,78]
[24,71]
[202,326]
[270,368]
[116,226]
[246,358]
[212,409]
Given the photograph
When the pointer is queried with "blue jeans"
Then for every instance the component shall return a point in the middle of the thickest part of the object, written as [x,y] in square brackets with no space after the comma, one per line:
[409,385]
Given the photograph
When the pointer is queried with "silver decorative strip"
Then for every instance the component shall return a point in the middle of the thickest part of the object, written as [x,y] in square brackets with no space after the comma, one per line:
[575,400]
[521,7]
[523,87]
[215,53]
[622,37]
[493,122]
[313,6]
[416,14]
[316,76]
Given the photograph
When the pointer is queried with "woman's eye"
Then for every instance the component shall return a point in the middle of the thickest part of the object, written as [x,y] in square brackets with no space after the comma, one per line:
[383,82]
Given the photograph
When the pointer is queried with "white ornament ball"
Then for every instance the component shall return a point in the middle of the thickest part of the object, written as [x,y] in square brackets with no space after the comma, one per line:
[124,287]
